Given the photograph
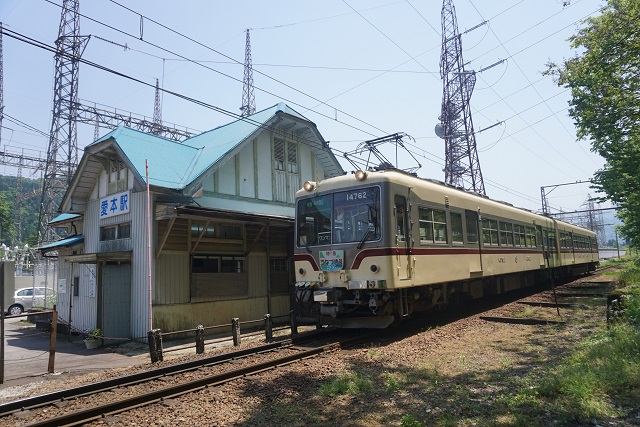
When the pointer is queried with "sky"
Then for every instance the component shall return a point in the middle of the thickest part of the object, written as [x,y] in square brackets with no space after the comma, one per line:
[358,69]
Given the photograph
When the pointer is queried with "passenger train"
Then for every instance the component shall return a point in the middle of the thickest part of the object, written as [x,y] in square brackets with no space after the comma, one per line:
[373,247]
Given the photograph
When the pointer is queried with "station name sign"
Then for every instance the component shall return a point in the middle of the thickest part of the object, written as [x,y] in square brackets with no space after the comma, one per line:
[115,204]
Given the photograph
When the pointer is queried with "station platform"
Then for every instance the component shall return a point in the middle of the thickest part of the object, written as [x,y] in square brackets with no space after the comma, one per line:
[26,355]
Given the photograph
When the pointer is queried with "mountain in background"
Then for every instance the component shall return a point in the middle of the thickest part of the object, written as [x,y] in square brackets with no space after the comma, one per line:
[30,208]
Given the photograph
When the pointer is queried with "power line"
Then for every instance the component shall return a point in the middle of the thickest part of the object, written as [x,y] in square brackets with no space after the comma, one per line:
[46,47]
[234,60]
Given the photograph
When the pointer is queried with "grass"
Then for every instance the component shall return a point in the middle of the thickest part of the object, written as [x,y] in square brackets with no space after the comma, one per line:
[599,380]
[348,383]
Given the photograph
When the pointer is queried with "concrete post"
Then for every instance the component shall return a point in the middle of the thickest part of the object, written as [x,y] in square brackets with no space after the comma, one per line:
[154,337]
[294,322]
[199,339]
[268,327]
[235,331]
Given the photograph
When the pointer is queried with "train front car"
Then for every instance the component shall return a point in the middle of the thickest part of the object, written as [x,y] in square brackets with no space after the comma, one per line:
[340,228]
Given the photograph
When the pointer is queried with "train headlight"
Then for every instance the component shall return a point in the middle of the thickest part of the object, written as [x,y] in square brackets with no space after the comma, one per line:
[361,175]
[309,186]
[301,271]
[374,268]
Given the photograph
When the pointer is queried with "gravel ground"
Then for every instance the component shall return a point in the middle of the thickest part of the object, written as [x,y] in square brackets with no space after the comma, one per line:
[455,374]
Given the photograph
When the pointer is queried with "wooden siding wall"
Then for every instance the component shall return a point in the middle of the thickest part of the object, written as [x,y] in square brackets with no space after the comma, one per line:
[172,279]
[186,316]
[176,240]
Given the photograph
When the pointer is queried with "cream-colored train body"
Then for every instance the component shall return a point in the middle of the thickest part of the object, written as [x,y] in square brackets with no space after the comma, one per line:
[373,247]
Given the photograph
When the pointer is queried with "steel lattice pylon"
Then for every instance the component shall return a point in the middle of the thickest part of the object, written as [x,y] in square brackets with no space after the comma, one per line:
[62,154]
[462,167]
[248,98]
[157,111]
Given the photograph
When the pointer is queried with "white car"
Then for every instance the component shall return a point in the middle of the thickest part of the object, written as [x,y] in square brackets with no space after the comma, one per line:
[23,299]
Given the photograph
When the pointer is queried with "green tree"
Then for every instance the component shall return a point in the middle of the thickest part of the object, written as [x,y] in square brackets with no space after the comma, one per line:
[6,224]
[604,78]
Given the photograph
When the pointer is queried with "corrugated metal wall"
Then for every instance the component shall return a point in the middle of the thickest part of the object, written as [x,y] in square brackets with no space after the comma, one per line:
[139,275]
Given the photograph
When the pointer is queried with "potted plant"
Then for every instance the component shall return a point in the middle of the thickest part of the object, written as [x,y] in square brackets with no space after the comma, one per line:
[92,339]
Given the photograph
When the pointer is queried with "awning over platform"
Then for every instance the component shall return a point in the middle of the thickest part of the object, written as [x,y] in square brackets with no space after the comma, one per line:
[64,243]
[95,258]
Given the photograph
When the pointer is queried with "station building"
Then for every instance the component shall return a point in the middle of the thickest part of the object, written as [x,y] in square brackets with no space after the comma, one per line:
[210,238]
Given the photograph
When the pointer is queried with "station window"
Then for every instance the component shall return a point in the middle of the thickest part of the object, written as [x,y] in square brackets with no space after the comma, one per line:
[217,264]
[456,228]
[278,264]
[433,225]
[114,232]
[108,233]
[198,228]
[230,232]
[489,231]
[506,233]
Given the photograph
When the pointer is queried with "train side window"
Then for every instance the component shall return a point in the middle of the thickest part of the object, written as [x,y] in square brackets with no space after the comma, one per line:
[506,233]
[456,228]
[539,236]
[519,235]
[471,221]
[433,225]
[531,237]
[489,232]
[400,211]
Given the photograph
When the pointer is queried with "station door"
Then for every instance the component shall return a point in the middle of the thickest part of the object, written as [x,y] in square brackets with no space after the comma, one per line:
[116,288]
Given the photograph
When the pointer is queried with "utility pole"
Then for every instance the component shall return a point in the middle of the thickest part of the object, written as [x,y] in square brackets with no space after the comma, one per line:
[63,139]
[248,97]
[462,166]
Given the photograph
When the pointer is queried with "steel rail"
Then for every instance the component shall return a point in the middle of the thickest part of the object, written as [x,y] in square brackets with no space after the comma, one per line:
[112,408]
[38,401]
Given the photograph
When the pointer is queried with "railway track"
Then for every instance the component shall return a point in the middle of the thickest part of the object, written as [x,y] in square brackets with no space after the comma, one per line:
[76,406]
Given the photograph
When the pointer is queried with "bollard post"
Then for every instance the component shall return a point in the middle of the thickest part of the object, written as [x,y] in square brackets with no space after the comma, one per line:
[294,323]
[154,337]
[52,339]
[268,327]
[199,339]
[235,331]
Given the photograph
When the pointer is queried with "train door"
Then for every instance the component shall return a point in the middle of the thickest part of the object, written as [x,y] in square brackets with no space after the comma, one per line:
[403,265]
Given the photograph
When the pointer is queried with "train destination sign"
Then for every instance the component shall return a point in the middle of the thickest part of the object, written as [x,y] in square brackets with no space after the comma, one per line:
[332,260]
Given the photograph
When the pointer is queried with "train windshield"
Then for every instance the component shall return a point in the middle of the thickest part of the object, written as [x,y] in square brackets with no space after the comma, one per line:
[342,217]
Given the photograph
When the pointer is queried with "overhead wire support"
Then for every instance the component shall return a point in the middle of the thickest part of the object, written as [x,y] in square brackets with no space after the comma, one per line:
[372,147]
[462,166]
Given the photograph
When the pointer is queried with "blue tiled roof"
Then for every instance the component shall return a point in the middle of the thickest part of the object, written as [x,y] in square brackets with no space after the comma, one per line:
[176,164]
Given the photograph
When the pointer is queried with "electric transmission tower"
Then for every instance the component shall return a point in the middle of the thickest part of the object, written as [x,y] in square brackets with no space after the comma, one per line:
[62,154]
[462,167]
[248,98]
[157,111]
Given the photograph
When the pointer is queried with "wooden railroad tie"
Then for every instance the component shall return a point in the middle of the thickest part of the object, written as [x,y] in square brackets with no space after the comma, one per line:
[522,320]
[554,305]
